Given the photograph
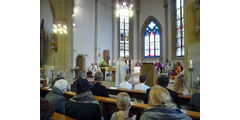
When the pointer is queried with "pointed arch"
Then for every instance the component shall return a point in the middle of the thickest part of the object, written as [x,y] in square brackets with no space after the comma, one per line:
[151,38]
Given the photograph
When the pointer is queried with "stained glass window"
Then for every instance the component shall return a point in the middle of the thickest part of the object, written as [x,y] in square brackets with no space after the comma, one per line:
[180,28]
[152,40]
[124,33]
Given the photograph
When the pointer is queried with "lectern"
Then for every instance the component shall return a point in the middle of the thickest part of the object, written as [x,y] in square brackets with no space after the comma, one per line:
[148,70]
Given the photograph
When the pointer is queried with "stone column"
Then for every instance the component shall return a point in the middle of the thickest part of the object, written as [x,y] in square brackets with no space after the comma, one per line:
[192,40]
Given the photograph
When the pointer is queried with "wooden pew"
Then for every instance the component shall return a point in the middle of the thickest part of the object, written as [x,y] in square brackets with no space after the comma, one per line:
[108,105]
[59,116]
[184,100]
[138,94]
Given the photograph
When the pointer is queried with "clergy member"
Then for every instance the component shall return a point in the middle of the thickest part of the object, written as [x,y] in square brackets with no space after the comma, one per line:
[128,62]
[121,68]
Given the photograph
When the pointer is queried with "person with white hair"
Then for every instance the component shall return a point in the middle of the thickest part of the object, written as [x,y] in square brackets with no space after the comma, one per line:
[60,75]
[56,96]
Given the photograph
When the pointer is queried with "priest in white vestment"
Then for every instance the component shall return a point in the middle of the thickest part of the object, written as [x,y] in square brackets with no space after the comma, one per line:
[121,69]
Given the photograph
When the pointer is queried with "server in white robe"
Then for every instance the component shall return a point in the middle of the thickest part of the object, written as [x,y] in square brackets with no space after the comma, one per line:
[121,69]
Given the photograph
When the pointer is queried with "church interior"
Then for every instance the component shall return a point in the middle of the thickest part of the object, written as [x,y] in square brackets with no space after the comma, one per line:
[125,41]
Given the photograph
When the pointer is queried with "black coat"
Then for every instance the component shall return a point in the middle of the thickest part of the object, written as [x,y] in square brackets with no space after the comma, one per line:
[83,111]
[76,82]
[99,90]
[173,94]
[195,102]
[57,99]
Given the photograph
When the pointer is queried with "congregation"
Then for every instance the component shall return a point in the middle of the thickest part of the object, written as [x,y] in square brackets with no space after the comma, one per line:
[120,59]
[84,106]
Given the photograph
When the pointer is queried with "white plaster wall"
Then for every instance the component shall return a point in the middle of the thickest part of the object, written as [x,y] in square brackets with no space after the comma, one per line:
[154,8]
[84,30]
[46,14]
[169,43]
[104,28]
[115,40]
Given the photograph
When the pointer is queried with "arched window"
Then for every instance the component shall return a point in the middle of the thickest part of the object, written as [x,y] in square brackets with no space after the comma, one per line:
[152,40]
[180,28]
[124,35]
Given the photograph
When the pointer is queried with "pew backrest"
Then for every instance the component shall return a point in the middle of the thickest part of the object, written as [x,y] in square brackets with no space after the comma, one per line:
[59,116]
[107,104]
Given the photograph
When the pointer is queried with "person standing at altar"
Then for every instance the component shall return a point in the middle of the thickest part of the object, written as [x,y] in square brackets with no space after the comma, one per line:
[166,66]
[158,65]
[121,68]
[128,62]
[138,63]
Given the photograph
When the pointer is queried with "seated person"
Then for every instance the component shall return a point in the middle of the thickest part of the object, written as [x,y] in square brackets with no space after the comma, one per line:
[181,86]
[141,85]
[124,105]
[177,70]
[162,107]
[82,76]
[195,102]
[60,75]
[97,88]
[92,69]
[83,105]
[97,68]
[56,96]
[163,81]
[46,109]
[126,84]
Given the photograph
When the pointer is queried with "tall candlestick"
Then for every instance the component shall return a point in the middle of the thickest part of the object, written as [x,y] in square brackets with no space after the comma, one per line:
[190,64]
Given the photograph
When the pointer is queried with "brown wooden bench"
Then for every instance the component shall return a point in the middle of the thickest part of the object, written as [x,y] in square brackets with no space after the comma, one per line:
[140,95]
[108,105]
[59,116]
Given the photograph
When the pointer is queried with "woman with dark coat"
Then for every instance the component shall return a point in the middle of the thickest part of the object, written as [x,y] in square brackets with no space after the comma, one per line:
[83,105]
[162,107]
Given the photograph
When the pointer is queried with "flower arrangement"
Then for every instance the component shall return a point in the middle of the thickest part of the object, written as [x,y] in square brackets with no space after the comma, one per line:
[103,64]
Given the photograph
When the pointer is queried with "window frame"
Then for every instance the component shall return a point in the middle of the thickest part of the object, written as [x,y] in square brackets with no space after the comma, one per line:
[154,32]
[181,19]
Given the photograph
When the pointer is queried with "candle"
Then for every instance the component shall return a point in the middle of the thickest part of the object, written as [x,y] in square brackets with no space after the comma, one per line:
[190,64]
[52,68]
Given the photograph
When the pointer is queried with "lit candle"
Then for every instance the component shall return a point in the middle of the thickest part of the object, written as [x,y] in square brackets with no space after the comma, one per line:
[52,68]
[190,64]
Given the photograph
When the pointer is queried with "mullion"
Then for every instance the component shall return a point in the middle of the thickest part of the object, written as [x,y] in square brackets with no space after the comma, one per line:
[149,43]
[154,45]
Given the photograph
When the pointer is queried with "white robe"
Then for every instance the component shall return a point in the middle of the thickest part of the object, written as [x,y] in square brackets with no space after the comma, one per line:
[93,70]
[121,68]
